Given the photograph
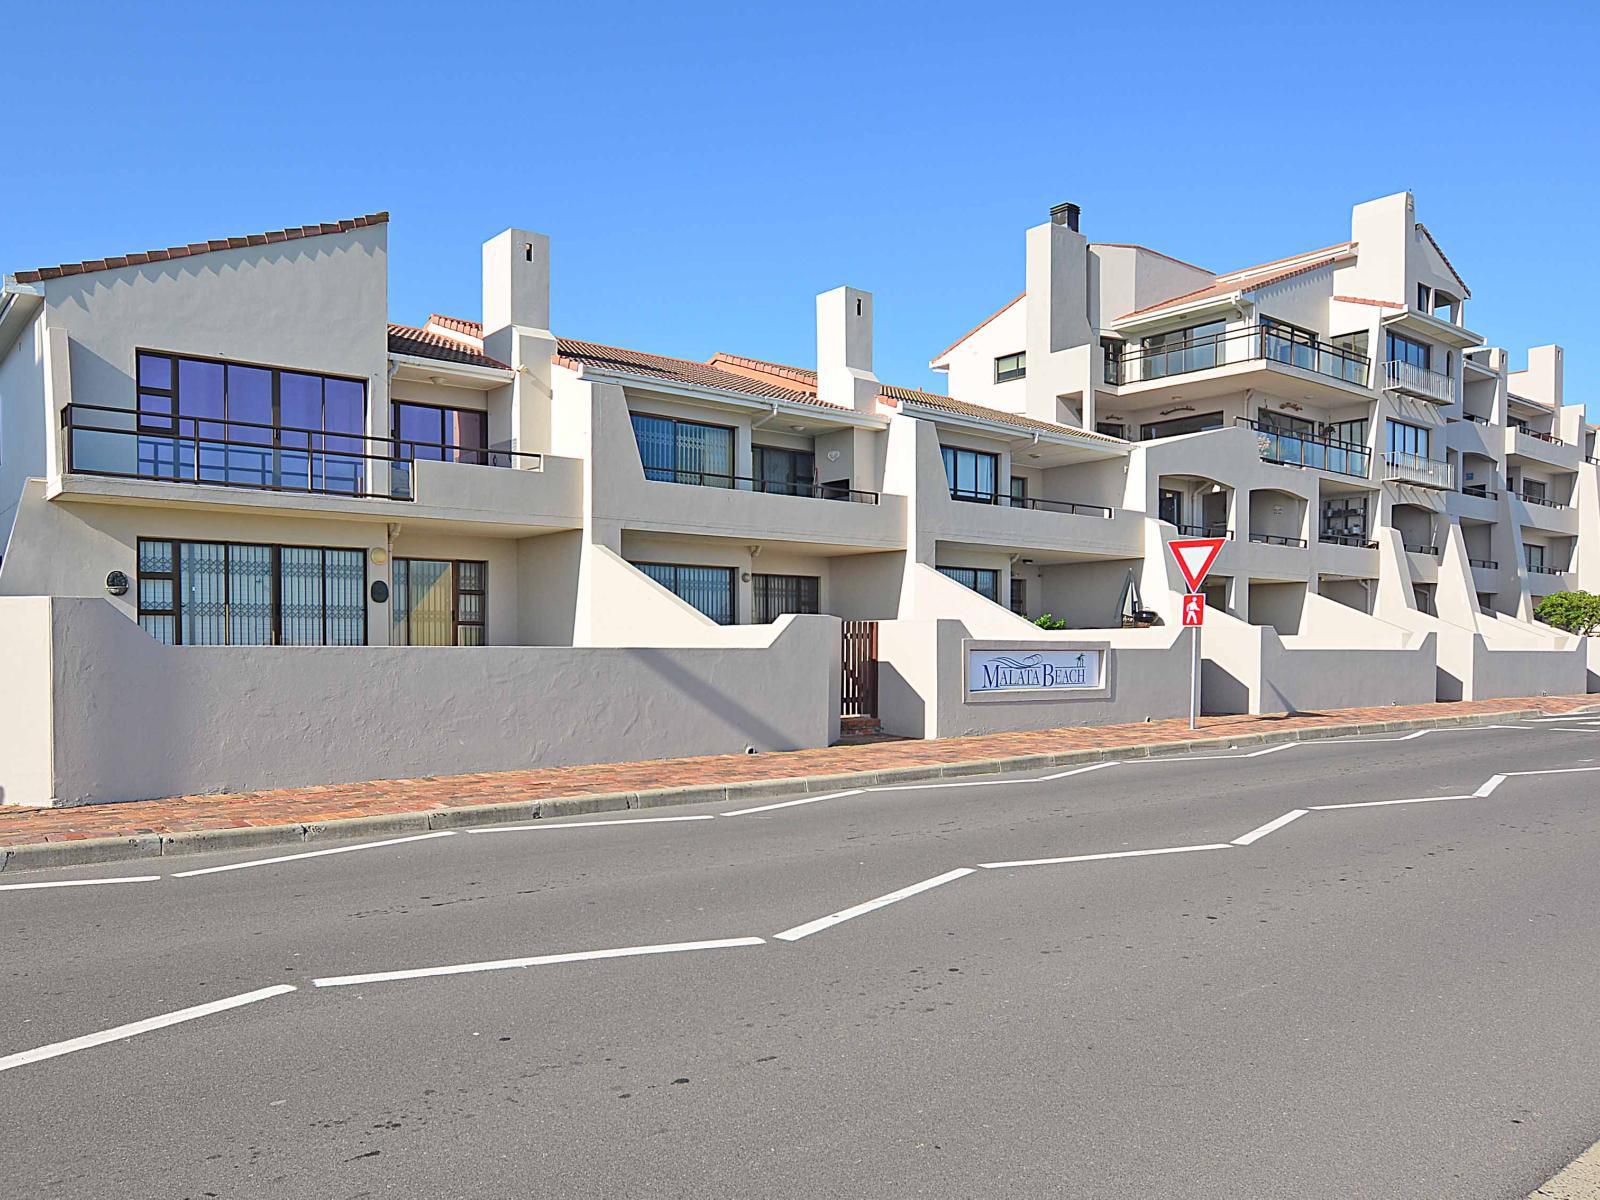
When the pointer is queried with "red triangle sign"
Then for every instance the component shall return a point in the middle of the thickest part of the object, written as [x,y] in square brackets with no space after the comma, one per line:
[1195,556]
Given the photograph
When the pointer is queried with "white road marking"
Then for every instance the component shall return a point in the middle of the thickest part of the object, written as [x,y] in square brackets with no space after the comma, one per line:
[55,883]
[1075,858]
[1415,734]
[1487,787]
[1183,758]
[744,812]
[821,923]
[539,960]
[556,824]
[56,1049]
[1556,771]
[1386,803]
[969,783]
[283,858]
[1261,831]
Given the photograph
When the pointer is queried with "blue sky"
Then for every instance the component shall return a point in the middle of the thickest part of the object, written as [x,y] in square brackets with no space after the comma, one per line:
[704,171]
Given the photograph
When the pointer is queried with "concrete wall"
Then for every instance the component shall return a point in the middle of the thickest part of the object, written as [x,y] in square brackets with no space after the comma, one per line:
[133,719]
[22,418]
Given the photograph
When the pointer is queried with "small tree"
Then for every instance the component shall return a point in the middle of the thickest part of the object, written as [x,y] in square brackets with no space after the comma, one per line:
[1049,622]
[1576,612]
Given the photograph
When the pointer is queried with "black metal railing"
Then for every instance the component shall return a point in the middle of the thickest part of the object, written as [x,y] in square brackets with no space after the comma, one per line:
[1541,569]
[1208,531]
[1542,501]
[1592,460]
[770,487]
[1476,419]
[223,452]
[1419,549]
[1277,539]
[1288,448]
[1254,344]
[1005,500]
[1488,564]
[1359,540]
[1482,490]
[1538,436]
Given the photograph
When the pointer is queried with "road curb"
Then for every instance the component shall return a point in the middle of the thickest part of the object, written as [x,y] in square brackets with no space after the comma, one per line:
[86,851]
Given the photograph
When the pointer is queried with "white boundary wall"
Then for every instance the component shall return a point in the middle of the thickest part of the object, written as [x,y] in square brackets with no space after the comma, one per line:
[97,711]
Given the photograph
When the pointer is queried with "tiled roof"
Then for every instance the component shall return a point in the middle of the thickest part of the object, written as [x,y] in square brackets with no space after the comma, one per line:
[233,243]
[407,339]
[677,370]
[472,329]
[742,365]
[1248,279]
[1423,229]
[1365,300]
[960,408]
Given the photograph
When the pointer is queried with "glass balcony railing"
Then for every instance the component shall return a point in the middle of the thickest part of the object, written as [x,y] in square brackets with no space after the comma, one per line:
[1256,344]
[1294,449]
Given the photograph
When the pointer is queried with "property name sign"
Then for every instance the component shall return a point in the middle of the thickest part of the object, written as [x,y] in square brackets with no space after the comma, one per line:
[1027,670]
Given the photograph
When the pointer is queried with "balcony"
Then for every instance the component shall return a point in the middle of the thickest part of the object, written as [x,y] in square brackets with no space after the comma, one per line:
[1423,472]
[1003,500]
[1418,548]
[1309,450]
[1238,346]
[1205,531]
[769,487]
[1277,539]
[1400,376]
[1483,564]
[1359,541]
[215,452]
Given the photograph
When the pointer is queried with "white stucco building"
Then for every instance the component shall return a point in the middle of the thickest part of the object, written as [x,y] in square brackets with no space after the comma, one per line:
[250,517]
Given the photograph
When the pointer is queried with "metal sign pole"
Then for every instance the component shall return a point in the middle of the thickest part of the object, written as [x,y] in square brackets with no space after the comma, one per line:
[1194,678]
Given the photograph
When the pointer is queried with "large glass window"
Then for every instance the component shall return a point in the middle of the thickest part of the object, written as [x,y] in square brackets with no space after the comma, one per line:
[710,589]
[437,434]
[684,451]
[972,474]
[438,602]
[210,421]
[1181,350]
[1180,425]
[983,580]
[1407,439]
[1407,350]
[242,594]
[786,472]
[775,595]
[1010,366]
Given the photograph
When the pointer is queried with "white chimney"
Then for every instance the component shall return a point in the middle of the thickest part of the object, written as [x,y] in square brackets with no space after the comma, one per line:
[844,350]
[516,331]
[1057,319]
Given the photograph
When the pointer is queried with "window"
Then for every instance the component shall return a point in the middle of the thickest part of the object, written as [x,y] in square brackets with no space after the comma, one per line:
[1351,433]
[1535,556]
[1169,506]
[1533,489]
[1180,350]
[438,602]
[1111,348]
[1019,490]
[1010,366]
[1114,429]
[786,472]
[441,434]
[684,451]
[1345,517]
[1286,422]
[1407,350]
[710,589]
[983,580]
[240,594]
[1407,439]
[210,421]
[1287,343]
[972,474]
[1424,298]
[1019,595]
[1180,425]
[775,595]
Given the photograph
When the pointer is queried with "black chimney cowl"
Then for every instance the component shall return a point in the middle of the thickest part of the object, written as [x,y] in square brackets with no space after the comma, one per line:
[1066,214]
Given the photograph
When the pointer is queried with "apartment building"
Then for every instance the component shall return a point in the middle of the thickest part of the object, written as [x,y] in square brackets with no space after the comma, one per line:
[244,507]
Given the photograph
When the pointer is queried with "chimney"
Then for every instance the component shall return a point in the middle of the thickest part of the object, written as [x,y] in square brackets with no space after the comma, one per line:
[1066,214]
[844,350]
[516,282]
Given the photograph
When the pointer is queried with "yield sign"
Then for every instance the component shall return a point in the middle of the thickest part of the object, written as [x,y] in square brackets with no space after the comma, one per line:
[1195,557]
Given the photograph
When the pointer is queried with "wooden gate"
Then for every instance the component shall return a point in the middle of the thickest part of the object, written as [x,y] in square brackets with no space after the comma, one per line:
[859,680]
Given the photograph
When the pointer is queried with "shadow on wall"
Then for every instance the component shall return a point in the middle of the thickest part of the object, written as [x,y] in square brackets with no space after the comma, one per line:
[1221,694]
[1448,686]
[762,735]
[901,709]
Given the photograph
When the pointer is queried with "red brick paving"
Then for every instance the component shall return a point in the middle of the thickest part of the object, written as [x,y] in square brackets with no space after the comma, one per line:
[308,805]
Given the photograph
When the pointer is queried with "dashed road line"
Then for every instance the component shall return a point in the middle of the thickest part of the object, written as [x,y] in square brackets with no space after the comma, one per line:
[548,825]
[828,922]
[283,858]
[538,960]
[60,883]
[134,1028]
[761,808]
[1261,831]
[1077,858]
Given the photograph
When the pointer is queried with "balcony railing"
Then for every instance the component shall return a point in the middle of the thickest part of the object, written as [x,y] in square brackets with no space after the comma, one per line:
[1524,431]
[1542,569]
[218,452]
[1542,501]
[1481,490]
[1476,419]
[1254,344]
[1424,472]
[771,487]
[1488,564]
[1420,549]
[1277,539]
[1359,540]
[1005,500]
[1309,450]
[1206,531]
[1401,376]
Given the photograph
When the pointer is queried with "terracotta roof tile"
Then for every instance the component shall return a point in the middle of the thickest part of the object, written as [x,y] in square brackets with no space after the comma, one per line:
[1423,229]
[42,274]
[678,370]
[1365,300]
[471,329]
[894,396]
[407,339]
[1241,281]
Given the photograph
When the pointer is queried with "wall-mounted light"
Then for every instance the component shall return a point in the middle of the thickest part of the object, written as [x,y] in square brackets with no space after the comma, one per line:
[117,583]
[379,556]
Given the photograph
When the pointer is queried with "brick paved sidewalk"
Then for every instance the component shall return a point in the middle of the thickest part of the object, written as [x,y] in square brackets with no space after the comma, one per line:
[401,797]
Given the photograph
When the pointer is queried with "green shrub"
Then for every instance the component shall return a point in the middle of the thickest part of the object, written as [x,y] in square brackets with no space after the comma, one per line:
[1576,612]
[1049,622]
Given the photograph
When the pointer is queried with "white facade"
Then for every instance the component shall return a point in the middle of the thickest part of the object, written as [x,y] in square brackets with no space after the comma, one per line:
[216,444]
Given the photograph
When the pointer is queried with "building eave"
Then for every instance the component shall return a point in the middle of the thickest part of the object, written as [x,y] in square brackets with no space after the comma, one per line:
[731,399]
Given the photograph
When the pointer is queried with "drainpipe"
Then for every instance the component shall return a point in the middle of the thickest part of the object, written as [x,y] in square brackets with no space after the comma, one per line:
[771,416]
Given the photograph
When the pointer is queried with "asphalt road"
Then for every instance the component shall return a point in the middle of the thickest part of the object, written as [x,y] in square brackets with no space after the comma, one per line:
[1387,1001]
